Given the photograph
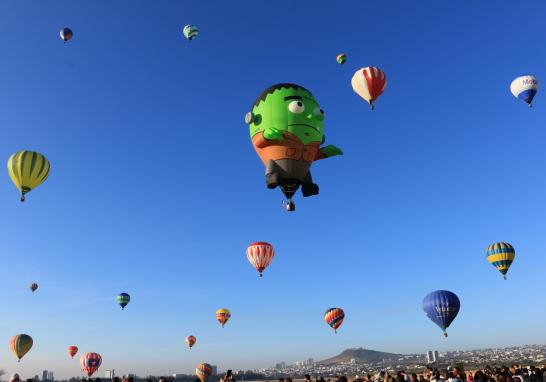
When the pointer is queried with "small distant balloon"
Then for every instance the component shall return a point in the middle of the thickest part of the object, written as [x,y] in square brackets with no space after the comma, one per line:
[501,255]
[525,88]
[123,299]
[66,34]
[203,371]
[27,170]
[90,362]
[190,341]
[334,317]
[441,307]
[190,32]
[260,255]
[33,287]
[72,350]
[369,83]
[20,345]
[341,58]
[223,315]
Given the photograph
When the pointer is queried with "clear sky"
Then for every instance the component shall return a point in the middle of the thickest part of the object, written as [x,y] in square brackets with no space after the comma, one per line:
[155,189]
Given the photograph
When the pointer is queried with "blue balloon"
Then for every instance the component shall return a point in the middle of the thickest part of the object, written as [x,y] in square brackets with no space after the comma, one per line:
[441,307]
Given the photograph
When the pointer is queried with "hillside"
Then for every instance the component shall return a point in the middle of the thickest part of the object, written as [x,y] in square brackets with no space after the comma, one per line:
[360,355]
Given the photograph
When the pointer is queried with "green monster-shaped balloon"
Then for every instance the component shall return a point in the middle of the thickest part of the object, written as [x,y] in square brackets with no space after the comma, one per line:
[287,129]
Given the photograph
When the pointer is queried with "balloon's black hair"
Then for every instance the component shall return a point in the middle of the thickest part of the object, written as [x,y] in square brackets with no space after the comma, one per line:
[271,89]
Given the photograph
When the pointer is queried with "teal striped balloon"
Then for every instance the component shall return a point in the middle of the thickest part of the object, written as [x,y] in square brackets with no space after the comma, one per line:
[190,31]
[123,299]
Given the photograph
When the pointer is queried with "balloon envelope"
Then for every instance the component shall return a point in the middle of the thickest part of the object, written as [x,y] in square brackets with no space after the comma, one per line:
[90,362]
[203,371]
[190,341]
[501,255]
[441,307]
[525,88]
[66,34]
[334,317]
[72,350]
[20,345]
[223,315]
[260,255]
[341,58]
[27,170]
[369,83]
[33,287]
[123,299]
[190,31]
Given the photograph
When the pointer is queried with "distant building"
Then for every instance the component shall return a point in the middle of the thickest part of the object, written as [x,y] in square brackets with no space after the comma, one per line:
[44,375]
[50,376]
[214,369]
[310,362]
[280,366]
[432,356]
[353,361]
[178,376]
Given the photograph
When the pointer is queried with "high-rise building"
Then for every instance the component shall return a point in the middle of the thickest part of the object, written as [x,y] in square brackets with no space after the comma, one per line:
[214,369]
[44,375]
[50,376]
[310,362]
[432,356]
[280,366]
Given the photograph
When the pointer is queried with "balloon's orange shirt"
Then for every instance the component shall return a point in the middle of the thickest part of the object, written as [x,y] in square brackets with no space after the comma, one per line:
[291,147]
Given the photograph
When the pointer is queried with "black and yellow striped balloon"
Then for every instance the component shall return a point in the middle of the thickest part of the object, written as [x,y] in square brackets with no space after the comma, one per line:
[27,170]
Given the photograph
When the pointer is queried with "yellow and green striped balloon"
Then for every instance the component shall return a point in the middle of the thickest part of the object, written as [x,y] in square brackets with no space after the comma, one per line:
[27,170]
[501,255]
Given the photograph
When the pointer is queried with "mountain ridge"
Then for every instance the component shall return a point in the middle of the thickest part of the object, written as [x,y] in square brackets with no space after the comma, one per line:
[361,355]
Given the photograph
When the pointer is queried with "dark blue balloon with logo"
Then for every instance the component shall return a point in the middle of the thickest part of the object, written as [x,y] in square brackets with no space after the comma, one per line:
[441,307]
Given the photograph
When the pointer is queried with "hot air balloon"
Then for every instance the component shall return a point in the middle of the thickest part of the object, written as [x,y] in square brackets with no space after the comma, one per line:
[66,34]
[286,127]
[190,32]
[90,362]
[33,287]
[203,371]
[27,170]
[72,350]
[341,58]
[525,88]
[501,255]
[260,255]
[20,345]
[369,83]
[123,299]
[190,341]
[334,317]
[441,307]
[223,316]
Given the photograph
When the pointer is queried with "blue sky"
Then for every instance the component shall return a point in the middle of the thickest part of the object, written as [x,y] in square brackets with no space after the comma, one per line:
[156,190]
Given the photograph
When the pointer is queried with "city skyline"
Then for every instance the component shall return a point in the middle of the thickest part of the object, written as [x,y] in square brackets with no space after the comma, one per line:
[155,189]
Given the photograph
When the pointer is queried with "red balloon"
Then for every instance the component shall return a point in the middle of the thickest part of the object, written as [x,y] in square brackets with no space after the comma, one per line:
[260,255]
[72,350]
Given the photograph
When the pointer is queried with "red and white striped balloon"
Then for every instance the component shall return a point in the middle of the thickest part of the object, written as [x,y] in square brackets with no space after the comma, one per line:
[369,83]
[260,255]
[90,362]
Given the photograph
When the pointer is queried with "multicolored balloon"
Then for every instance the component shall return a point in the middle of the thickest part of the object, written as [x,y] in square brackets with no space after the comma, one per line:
[260,255]
[33,287]
[190,341]
[190,32]
[369,83]
[223,315]
[341,58]
[72,350]
[203,371]
[66,34]
[501,255]
[334,317]
[441,307]
[27,170]
[525,88]
[20,345]
[123,299]
[90,362]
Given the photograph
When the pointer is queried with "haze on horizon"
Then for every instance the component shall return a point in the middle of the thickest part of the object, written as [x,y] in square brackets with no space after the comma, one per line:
[155,188]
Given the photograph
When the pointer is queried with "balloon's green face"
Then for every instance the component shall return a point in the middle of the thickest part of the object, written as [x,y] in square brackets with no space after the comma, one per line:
[291,110]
